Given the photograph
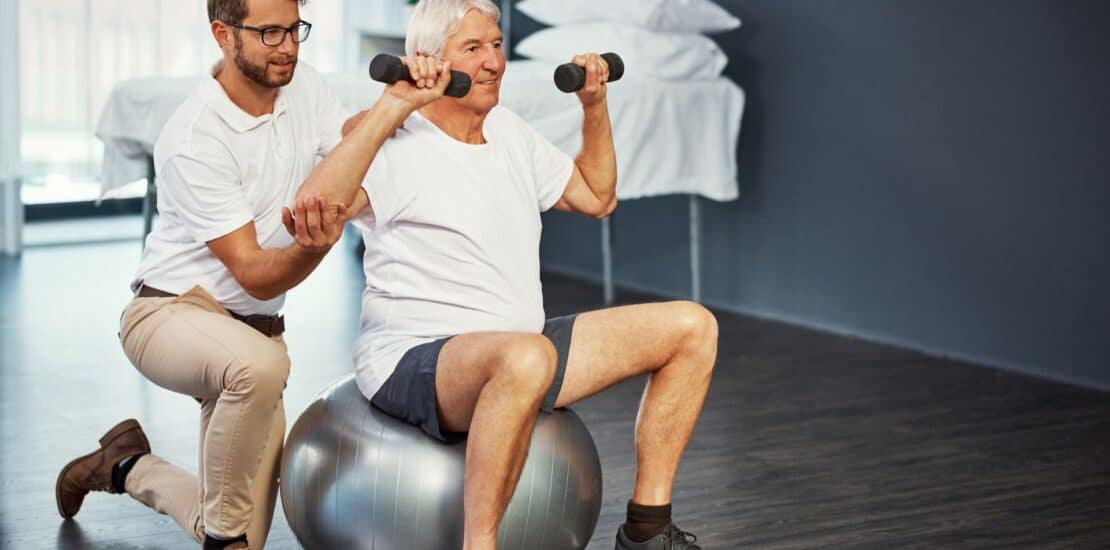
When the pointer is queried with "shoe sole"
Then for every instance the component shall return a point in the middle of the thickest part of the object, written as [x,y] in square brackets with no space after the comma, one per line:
[116,431]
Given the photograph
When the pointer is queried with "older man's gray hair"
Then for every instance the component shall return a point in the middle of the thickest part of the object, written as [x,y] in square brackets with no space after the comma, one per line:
[435,20]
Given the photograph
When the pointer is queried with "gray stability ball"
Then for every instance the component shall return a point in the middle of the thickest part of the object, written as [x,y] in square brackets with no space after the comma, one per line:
[353,477]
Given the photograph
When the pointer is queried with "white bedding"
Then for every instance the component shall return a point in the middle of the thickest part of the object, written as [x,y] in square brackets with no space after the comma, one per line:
[671,136]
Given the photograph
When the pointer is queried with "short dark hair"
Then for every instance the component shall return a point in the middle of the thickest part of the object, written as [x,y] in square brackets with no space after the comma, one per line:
[230,11]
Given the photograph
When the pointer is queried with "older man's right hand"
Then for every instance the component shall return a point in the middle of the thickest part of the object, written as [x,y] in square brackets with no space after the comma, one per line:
[430,79]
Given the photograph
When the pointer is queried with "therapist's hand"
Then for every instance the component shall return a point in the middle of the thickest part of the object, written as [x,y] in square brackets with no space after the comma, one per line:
[597,75]
[431,77]
[314,225]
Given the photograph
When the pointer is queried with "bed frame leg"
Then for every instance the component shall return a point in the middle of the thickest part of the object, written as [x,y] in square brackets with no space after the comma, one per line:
[608,287]
[150,200]
[695,248]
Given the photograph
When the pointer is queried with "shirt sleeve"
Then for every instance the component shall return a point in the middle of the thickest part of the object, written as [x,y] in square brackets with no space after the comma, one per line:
[205,190]
[330,115]
[551,167]
[388,195]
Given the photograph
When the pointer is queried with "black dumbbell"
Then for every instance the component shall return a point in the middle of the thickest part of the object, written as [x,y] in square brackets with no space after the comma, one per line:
[570,77]
[389,69]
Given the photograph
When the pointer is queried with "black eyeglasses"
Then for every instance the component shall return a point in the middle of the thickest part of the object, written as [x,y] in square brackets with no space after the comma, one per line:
[275,36]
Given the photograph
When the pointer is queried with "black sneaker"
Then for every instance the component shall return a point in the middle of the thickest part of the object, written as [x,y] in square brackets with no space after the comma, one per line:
[672,538]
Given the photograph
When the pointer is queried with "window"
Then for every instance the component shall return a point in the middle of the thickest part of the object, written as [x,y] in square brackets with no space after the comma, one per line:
[74,51]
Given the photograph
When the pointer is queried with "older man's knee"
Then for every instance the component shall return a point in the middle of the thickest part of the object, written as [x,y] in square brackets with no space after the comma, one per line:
[699,329]
[527,364]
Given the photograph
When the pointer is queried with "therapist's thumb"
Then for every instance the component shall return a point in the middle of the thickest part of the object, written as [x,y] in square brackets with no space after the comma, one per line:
[287,221]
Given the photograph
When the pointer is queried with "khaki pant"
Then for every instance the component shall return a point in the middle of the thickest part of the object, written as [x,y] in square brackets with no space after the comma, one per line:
[191,345]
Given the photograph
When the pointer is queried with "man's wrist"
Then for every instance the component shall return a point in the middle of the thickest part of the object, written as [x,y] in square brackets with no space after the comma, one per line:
[390,109]
[595,112]
[597,107]
[301,253]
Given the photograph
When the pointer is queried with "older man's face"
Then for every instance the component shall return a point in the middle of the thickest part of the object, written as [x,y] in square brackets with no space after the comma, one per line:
[476,51]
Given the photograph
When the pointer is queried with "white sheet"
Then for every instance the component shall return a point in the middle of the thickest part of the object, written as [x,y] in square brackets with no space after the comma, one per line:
[672,137]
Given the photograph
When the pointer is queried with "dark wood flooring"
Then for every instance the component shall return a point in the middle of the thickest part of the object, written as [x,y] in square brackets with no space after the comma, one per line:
[807,440]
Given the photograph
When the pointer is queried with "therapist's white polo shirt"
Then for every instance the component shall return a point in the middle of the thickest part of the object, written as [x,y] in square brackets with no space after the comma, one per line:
[219,168]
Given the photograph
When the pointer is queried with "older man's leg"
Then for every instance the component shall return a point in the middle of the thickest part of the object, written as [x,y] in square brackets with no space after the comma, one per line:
[676,343]
[492,385]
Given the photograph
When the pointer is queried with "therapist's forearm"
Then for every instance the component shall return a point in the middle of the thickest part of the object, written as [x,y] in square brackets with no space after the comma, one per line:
[339,176]
[598,159]
[269,273]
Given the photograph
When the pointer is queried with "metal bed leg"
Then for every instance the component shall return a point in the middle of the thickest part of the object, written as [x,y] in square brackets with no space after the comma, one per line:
[11,217]
[695,248]
[150,199]
[608,288]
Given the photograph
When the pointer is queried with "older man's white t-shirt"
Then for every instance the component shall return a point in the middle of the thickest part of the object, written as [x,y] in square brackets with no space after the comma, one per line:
[452,237]
[219,168]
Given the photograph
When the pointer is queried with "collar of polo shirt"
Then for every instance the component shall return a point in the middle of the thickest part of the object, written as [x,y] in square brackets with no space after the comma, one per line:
[238,119]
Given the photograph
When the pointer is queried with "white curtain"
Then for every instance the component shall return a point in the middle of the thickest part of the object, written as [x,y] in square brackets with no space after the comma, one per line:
[11,207]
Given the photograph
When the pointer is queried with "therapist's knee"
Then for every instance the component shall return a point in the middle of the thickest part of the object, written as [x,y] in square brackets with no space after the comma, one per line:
[261,376]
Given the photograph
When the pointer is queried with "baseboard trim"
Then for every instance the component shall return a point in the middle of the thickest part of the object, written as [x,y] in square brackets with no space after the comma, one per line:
[840,330]
[82,209]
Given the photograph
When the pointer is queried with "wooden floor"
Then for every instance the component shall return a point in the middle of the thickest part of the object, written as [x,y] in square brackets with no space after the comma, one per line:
[807,440]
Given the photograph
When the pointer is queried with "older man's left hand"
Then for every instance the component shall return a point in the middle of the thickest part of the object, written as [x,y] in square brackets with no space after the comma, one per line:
[597,76]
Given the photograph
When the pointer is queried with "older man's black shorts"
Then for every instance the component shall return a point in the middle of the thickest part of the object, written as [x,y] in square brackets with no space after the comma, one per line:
[410,392]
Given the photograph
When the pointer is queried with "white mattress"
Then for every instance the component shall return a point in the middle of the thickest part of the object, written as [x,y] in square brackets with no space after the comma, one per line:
[671,136]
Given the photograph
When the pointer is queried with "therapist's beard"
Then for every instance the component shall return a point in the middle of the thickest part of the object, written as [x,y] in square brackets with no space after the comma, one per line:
[257,73]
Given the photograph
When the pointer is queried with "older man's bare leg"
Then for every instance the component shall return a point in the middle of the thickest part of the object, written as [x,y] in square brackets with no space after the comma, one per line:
[676,342]
[492,384]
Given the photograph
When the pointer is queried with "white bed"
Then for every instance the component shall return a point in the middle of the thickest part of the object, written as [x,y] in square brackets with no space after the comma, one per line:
[672,137]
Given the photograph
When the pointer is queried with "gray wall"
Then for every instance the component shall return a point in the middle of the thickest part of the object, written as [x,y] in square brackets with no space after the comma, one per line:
[927,173]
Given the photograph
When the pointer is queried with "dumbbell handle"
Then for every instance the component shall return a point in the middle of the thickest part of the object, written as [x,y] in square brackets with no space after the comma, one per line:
[389,69]
[571,78]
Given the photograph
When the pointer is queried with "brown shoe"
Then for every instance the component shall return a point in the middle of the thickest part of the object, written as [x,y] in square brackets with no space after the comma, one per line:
[93,472]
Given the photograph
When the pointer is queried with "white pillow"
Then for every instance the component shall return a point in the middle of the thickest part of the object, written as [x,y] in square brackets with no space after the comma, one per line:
[661,15]
[666,55]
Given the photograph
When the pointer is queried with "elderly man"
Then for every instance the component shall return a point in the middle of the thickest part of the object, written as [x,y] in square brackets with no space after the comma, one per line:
[204,321]
[453,332]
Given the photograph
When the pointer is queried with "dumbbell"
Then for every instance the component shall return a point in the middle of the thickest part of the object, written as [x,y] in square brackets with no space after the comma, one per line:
[571,78]
[568,77]
[389,69]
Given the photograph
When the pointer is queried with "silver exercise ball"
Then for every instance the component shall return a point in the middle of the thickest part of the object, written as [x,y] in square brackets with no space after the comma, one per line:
[354,477]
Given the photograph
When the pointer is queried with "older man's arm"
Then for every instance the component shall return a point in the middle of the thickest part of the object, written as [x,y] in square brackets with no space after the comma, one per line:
[338,178]
[353,121]
[592,189]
